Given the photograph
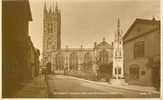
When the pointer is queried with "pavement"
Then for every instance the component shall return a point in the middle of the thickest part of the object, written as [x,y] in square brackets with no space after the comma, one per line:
[61,86]
[36,88]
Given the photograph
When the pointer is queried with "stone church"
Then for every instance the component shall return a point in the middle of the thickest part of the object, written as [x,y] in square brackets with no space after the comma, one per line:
[71,59]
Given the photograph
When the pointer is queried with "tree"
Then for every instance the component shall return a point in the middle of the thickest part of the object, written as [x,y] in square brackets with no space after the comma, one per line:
[105,71]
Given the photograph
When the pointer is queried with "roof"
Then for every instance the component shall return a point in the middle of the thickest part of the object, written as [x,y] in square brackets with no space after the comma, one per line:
[19,8]
[29,11]
[76,49]
[104,44]
[142,21]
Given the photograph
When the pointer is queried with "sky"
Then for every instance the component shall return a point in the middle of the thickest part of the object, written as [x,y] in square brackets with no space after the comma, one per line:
[85,21]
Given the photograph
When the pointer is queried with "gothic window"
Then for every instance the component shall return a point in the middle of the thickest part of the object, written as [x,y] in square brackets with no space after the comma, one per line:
[59,61]
[119,53]
[104,57]
[116,53]
[73,61]
[51,28]
[48,44]
[54,27]
[139,49]
[87,61]
[119,70]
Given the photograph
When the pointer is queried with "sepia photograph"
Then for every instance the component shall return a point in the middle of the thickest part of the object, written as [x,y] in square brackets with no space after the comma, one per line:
[81,49]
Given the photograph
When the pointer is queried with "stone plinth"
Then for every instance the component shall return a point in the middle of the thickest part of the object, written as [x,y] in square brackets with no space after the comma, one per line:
[118,82]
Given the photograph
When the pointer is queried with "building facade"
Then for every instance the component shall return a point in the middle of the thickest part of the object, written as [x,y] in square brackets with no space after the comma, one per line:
[142,52]
[82,59]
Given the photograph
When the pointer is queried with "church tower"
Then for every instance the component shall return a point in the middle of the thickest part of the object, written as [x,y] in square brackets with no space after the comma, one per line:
[51,31]
[118,72]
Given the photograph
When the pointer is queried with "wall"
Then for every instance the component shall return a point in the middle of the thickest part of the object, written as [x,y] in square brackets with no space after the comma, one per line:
[152,49]
[15,18]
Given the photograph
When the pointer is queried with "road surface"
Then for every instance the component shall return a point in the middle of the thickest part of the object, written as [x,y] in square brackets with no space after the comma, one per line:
[61,86]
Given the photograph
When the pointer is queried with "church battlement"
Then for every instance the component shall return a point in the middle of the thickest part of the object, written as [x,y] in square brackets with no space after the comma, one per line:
[53,10]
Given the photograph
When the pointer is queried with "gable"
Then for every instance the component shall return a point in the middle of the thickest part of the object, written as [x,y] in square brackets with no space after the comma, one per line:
[138,29]
[103,45]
